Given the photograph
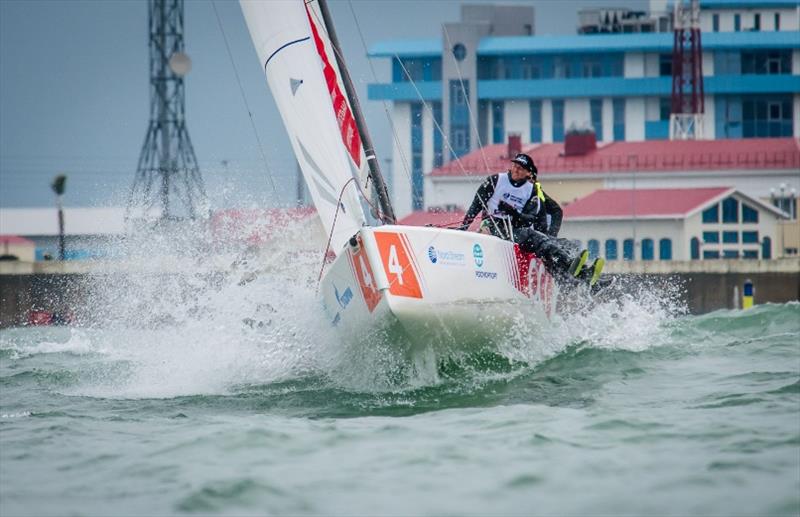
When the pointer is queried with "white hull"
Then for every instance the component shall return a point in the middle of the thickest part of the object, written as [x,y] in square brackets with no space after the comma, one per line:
[431,288]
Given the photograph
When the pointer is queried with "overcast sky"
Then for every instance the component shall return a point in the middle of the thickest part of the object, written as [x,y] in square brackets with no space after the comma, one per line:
[74,94]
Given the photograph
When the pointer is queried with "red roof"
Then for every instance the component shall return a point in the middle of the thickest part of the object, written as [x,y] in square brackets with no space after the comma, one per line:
[17,240]
[433,217]
[641,202]
[649,156]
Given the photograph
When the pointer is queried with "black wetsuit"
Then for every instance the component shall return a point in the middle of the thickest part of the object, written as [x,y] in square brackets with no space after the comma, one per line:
[529,227]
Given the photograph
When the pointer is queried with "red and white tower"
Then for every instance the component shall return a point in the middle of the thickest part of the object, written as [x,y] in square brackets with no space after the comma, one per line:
[686,117]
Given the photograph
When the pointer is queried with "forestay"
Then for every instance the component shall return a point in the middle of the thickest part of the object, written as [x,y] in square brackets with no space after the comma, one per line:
[302,74]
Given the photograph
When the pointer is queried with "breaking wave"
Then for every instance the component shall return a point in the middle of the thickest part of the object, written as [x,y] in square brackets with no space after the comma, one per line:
[192,322]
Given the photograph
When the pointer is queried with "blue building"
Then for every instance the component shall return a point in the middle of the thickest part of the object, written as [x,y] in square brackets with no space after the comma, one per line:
[488,76]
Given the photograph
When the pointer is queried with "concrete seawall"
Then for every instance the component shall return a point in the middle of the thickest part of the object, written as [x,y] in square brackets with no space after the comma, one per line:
[62,288]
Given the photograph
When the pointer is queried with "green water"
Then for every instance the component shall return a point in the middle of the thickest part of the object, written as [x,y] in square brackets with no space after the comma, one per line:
[630,414]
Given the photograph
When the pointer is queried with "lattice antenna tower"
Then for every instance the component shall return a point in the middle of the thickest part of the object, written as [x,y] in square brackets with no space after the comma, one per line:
[686,116]
[168,181]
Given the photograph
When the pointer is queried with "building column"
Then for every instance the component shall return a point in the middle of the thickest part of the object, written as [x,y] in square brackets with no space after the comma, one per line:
[401,160]
[547,121]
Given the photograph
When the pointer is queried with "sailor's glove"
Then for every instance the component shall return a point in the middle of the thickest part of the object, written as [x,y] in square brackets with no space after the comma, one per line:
[506,208]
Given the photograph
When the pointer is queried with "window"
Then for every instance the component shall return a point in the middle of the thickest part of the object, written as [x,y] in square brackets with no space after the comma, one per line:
[438,151]
[710,254]
[594,248]
[664,108]
[710,237]
[777,21]
[417,178]
[498,123]
[611,249]
[711,215]
[715,23]
[459,51]
[766,248]
[757,22]
[665,249]
[694,246]
[665,65]
[627,249]
[750,254]
[737,22]
[730,254]
[730,210]
[558,121]
[750,237]
[766,116]
[749,214]
[766,62]
[619,119]
[730,237]
[787,204]
[459,117]
[596,108]
[536,121]
[647,249]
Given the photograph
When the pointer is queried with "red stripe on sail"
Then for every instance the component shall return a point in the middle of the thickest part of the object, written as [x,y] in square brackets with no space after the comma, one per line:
[344,117]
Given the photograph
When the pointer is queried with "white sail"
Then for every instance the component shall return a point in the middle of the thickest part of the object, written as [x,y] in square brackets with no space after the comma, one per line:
[304,79]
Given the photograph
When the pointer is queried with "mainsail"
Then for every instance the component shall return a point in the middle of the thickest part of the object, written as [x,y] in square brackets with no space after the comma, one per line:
[302,73]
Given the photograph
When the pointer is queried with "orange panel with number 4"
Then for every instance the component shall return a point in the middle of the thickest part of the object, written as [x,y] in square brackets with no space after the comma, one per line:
[398,266]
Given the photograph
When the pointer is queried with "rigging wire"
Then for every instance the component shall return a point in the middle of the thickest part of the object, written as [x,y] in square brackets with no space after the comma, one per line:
[244,99]
[392,127]
[445,139]
[469,104]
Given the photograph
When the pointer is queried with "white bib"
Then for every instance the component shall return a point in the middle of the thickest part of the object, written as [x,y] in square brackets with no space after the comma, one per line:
[505,191]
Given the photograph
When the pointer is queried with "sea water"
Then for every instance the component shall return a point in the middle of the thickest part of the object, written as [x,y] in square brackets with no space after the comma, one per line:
[227,393]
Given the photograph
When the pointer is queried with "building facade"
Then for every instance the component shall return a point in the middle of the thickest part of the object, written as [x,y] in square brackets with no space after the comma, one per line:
[674,224]
[487,77]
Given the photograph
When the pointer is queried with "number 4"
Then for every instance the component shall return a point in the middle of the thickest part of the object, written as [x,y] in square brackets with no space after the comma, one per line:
[394,264]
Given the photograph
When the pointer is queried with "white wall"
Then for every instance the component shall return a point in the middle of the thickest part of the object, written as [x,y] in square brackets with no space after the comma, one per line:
[547,121]
[652,65]
[449,192]
[708,63]
[608,120]
[428,128]
[634,119]
[518,119]
[789,19]
[709,124]
[766,227]
[796,105]
[401,160]
[577,114]
[634,64]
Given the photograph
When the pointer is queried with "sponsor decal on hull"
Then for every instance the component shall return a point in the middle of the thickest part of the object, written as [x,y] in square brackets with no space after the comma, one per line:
[446,257]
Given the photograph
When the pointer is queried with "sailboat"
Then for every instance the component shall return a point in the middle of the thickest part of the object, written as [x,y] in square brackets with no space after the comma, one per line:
[430,288]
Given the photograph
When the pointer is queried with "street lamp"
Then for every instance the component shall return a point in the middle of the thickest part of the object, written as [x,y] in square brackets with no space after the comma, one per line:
[59,185]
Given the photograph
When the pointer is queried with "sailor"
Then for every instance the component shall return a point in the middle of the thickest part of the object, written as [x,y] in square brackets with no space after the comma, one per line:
[514,206]
[504,194]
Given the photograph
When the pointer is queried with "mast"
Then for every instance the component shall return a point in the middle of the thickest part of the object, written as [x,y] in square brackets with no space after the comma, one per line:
[369,149]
